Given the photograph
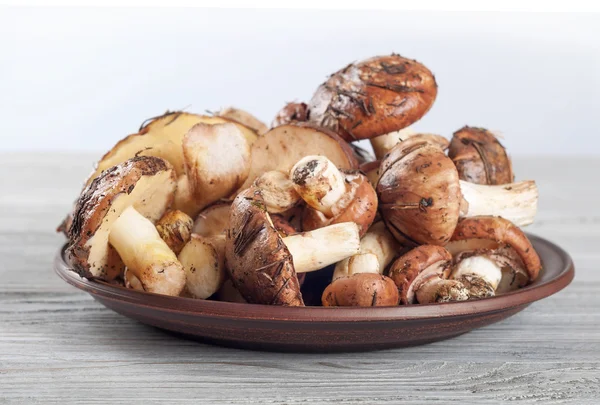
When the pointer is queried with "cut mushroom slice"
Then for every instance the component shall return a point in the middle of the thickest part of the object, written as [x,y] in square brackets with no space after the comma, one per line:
[175,228]
[373,97]
[203,262]
[332,196]
[244,118]
[505,262]
[479,157]
[292,112]
[384,143]
[161,136]
[419,274]
[217,160]
[213,220]
[281,147]
[377,250]
[361,290]
[278,191]
[146,183]
[263,265]
[421,197]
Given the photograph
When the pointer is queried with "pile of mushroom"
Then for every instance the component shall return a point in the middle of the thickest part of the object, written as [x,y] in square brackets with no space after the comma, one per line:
[222,207]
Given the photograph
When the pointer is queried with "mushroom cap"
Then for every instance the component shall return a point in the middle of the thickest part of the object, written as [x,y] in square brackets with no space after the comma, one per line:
[409,269]
[289,113]
[260,265]
[145,182]
[479,157]
[358,205]
[283,226]
[244,118]
[373,97]
[361,290]
[371,170]
[213,220]
[175,228]
[503,232]
[419,193]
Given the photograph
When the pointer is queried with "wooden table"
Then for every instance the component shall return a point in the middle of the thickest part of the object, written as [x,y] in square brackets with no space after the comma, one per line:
[58,345]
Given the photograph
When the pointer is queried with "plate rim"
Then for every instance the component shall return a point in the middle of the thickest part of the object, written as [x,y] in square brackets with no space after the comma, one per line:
[254,312]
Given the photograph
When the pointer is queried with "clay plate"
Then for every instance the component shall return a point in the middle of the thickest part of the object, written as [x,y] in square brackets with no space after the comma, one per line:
[304,329]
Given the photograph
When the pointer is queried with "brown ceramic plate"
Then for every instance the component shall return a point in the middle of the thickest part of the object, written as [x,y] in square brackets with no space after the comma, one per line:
[324,329]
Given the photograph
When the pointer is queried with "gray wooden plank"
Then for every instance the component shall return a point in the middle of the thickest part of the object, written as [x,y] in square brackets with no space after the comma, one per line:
[59,345]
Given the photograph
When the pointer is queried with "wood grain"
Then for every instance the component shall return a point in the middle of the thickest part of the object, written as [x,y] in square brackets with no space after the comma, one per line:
[58,345]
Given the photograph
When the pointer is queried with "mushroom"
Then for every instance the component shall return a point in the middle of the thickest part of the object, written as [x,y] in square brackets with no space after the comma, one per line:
[281,147]
[217,161]
[373,97]
[131,281]
[419,273]
[384,143]
[203,262]
[291,112]
[361,290]
[479,157]
[493,255]
[371,170]
[421,197]
[229,293]
[213,220]
[263,266]
[278,191]
[113,226]
[244,118]
[377,250]
[332,196]
[175,228]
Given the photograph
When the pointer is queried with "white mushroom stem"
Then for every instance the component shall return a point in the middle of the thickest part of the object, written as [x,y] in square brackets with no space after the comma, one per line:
[324,246]
[516,202]
[319,182]
[436,289]
[383,143]
[278,191]
[377,249]
[479,266]
[203,262]
[145,254]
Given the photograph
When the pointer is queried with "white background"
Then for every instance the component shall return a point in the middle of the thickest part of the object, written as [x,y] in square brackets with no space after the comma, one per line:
[80,79]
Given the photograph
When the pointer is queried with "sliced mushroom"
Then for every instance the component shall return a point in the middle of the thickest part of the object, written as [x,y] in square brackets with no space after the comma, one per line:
[419,274]
[373,97]
[361,290]
[121,206]
[278,191]
[175,228]
[244,118]
[377,250]
[492,254]
[292,112]
[213,220]
[281,147]
[479,157]
[217,160]
[203,261]
[384,143]
[420,195]
[332,196]
[263,266]
[161,136]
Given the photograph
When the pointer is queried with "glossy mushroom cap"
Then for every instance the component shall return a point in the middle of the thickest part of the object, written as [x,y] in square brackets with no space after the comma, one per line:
[361,290]
[145,183]
[479,157]
[373,97]
[419,193]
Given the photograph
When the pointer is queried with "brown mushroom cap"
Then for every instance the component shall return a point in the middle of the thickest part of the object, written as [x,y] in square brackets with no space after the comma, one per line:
[283,226]
[175,228]
[503,232]
[361,290]
[373,97]
[419,193]
[479,157]
[371,170]
[260,265]
[408,270]
[359,205]
[213,220]
[147,183]
[291,112]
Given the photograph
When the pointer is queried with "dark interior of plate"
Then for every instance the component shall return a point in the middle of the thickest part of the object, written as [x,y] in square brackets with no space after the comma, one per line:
[325,329]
